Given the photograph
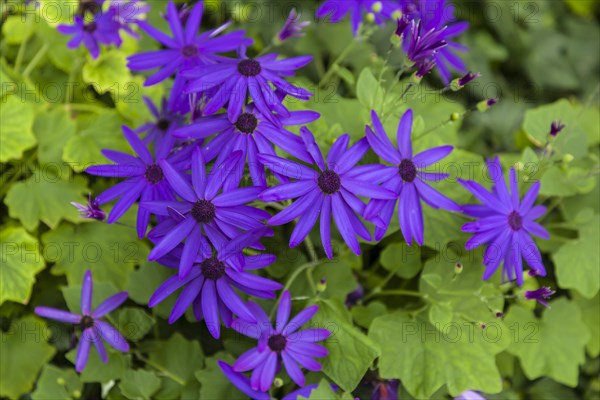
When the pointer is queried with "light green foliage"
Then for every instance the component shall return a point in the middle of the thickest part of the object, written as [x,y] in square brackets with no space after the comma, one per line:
[16,121]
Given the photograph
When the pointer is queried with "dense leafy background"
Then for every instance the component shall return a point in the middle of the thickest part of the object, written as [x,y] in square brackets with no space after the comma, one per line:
[539,57]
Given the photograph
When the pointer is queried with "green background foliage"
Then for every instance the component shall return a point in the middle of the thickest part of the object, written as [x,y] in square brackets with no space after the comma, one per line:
[439,331]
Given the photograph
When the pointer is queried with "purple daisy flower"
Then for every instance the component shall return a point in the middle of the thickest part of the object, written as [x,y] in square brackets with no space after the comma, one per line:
[335,10]
[282,343]
[242,382]
[128,13]
[438,16]
[409,182]
[202,210]
[209,287]
[91,209]
[252,134]
[421,46]
[505,224]
[331,190]
[186,48]
[146,180]
[234,79]
[93,329]
[540,295]
[103,29]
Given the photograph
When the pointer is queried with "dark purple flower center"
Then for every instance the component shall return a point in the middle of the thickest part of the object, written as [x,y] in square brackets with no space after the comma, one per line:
[203,211]
[246,123]
[86,322]
[90,28]
[408,171]
[154,174]
[189,50]
[88,6]
[212,268]
[249,67]
[515,221]
[163,124]
[277,342]
[329,181]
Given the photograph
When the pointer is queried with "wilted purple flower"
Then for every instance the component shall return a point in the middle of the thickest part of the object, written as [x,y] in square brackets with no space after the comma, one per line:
[214,275]
[252,134]
[408,182]
[354,296]
[333,189]
[91,209]
[556,127]
[93,329]
[335,10]
[467,78]
[386,390]
[292,27]
[282,343]
[540,295]
[235,78]
[146,180]
[186,48]
[202,210]
[505,224]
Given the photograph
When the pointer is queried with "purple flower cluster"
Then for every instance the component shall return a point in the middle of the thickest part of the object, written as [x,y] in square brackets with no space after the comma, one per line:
[99,22]
[225,117]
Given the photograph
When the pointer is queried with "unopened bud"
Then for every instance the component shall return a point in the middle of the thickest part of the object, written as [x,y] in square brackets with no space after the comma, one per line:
[377,7]
[567,158]
[459,83]
[61,381]
[454,116]
[76,394]
[486,104]
[370,17]
[458,268]
[482,325]
[499,314]
[278,382]
[322,285]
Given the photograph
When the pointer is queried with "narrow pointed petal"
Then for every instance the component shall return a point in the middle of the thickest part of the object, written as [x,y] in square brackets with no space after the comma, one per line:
[110,304]
[83,350]
[112,336]
[58,315]
[86,293]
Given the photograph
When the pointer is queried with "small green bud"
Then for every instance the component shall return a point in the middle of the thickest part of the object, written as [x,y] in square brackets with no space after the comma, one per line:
[499,314]
[377,7]
[458,268]
[454,116]
[396,15]
[61,381]
[278,382]
[486,104]
[455,86]
[567,158]
[76,394]
[370,17]
[322,285]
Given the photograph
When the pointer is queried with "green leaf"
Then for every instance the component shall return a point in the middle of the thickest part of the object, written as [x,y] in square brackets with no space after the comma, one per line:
[321,392]
[16,122]
[547,389]
[100,292]
[213,383]
[17,30]
[351,353]
[134,323]
[364,315]
[368,90]
[53,129]
[461,356]
[104,132]
[44,197]
[108,72]
[57,383]
[577,261]
[109,251]
[339,277]
[590,309]
[24,350]
[405,260]
[145,280]
[19,263]
[540,344]
[139,384]
[96,371]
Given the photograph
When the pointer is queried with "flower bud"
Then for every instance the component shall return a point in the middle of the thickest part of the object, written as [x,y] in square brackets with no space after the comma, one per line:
[567,158]
[454,116]
[377,7]
[459,83]
[486,104]
[322,285]
[556,127]
[278,382]
[370,17]
[458,268]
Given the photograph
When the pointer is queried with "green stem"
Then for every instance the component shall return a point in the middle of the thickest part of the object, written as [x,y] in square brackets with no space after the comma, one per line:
[396,292]
[338,60]
[83,108]
[35,60]
[291,280]
[22,49]
[159,367]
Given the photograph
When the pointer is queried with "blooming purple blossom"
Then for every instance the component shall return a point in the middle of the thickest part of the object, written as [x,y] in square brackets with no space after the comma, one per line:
[292,27]
[235,78]
[282,343]
[335,10]
[408,181]
[330,191]
[421,46]
[146,180]
[203,211]
[209,285]
[540,295]
[103,29]
[186,48]
[252,134]
[505,224]
[91,209]
[93,329]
